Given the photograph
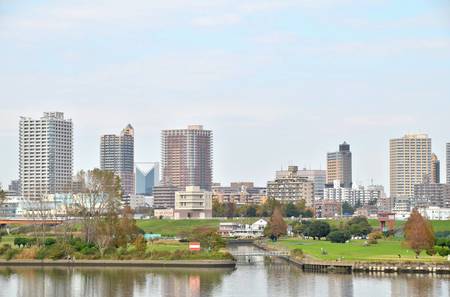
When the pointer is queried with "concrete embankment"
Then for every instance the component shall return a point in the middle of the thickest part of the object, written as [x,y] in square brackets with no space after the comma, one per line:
[124,263]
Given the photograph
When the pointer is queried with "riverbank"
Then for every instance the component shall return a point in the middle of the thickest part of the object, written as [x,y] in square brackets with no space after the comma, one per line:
[311,264]
[124,263]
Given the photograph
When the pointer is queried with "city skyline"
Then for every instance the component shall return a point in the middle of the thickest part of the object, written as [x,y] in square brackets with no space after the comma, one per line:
[263,182]
[309,74]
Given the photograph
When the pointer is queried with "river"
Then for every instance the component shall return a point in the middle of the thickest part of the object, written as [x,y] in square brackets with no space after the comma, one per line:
[259,277]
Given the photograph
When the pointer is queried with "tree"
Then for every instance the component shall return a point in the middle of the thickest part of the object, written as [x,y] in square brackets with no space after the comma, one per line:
[250,211]
[359,226]
[276,226]
[218,209]
[419,234]
[347,209]
[318,229]
[98,202]
[291,210]
[339,236]
[208,238]
[298,228]
[230,209]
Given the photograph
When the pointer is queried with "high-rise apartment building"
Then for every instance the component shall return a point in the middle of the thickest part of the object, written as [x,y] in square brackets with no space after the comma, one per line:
[146,176]
[435,169]
[45,155]
[410,163]
[187,157]
[339,166]
[117,155]
[447,156]
[288,186]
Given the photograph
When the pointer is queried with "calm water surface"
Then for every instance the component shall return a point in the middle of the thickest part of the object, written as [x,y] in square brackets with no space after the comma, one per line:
[259,278]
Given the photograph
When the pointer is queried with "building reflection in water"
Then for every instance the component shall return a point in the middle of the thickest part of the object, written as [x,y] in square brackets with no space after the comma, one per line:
[109,282]
[264,277]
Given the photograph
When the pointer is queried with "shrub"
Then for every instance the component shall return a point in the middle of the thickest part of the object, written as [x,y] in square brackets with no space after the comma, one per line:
[297,253]
[140,244]
[28,253]
[11,253]
[444,251]
[339,236]
[49,241]
[443,242]
[21,241]
[431,252]
[88,250]
[4,248]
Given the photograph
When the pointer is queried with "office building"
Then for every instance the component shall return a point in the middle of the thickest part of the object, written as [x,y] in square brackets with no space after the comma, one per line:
[117,155]
[288,186]
[435,169]
[318,177]
[45,155]
[146,176]
[187,157]
[409,163]
[193,203]
[339,166]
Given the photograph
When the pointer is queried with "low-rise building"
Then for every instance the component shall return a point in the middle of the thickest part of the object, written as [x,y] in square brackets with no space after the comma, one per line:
[193,203]
[232,229]
[164,196]
[327,208]
[164,213]
[431,194]
[435,213]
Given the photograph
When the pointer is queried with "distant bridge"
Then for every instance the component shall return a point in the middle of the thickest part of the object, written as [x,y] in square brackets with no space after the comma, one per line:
[262,254]
[27,221]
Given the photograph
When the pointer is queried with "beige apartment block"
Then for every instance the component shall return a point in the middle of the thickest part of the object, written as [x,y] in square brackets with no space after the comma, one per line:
[409,163]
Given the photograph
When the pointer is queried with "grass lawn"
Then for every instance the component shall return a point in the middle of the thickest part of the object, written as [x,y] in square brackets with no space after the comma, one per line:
[176,227]
[385,250]
[169,246]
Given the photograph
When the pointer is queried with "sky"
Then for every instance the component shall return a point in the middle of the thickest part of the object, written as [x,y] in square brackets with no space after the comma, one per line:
[279,82]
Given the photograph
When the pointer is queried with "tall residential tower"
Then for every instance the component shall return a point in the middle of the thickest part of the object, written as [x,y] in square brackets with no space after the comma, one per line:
[339,167]
[45,155]
[186,157]
[117,154]
[447,156]
[409,163]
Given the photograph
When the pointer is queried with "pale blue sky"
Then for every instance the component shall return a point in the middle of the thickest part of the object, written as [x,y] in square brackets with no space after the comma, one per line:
[279,82]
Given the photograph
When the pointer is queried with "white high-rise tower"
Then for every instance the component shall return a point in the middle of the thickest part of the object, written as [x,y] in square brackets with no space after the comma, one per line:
[45,155]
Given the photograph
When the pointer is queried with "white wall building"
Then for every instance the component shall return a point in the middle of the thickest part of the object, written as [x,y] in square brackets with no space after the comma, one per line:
[435,213]
[45,155]
[193,203]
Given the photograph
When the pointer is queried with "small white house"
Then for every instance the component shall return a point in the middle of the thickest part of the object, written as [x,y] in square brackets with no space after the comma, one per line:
[243,230]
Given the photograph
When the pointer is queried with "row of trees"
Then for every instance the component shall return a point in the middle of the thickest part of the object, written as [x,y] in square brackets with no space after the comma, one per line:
[230,209]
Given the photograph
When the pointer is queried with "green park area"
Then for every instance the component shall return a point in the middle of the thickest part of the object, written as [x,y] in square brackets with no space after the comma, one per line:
[355,250]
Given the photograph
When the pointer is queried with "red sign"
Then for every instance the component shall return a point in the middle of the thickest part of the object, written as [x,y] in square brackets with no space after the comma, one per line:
[194,246]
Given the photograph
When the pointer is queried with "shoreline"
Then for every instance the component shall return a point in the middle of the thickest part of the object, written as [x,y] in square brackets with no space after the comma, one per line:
[123,263]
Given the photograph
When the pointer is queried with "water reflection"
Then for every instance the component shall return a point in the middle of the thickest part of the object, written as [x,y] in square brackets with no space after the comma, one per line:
[254,277]
[109,282]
